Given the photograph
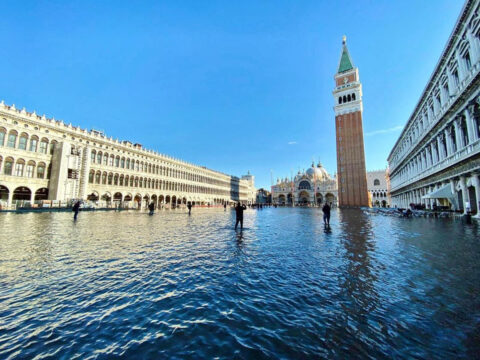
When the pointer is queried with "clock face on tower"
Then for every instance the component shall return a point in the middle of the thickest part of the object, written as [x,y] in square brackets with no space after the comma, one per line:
[345,80]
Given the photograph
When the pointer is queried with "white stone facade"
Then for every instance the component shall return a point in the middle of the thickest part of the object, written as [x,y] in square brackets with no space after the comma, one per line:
[314,186]
[44,159]
[377,186]
[436,160]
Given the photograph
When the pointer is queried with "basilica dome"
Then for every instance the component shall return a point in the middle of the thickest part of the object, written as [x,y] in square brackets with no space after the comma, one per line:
[318,172]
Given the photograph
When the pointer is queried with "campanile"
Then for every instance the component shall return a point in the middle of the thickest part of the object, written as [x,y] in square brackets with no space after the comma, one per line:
[351,172]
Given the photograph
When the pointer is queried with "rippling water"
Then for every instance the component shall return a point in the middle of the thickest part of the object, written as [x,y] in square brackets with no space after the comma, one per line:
[178,286]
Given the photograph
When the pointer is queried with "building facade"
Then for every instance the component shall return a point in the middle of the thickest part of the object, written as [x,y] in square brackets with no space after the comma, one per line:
[307,188]
[351,171]
[436,159]
[44,159]
[377,186]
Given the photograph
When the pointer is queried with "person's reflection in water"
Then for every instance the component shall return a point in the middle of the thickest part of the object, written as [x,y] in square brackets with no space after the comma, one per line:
[357,279]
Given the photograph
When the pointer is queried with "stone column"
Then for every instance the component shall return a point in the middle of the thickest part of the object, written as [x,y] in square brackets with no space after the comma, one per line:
[84,172]
[10,196]
[454,192]
[462,74]
[448,136]
[440,147]
[458,134]
[465,196]
[476,185]
[468,112]
[32,197]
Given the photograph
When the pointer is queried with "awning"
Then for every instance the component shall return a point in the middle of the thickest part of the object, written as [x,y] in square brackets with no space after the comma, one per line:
[445,192]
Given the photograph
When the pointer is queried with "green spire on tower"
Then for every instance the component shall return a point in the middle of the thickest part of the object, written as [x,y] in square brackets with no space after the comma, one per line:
[345,61]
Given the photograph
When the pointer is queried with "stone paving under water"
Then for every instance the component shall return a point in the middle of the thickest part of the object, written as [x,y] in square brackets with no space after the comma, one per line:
[177,286]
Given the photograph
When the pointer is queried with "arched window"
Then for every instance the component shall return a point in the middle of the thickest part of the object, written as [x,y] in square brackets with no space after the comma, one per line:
[340,100]
[117,161]
[33,144]
[8,167]
[349,97]
[30,169]
[104,178]
[344,99]
[99,158]
[19,166]
[110,161]
[41,170]
[376,182]
[353,97]
[97,177]
[91,176]
[105,159]
[128,163]
[43,146]
[93,156]
[12,139]
[122,163]
[2,136]
[22,143]
[304,185]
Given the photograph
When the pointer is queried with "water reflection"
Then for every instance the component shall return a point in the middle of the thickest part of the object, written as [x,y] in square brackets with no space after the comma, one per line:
[128,284]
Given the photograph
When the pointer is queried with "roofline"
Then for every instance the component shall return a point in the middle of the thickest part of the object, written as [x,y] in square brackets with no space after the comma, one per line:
[441,60]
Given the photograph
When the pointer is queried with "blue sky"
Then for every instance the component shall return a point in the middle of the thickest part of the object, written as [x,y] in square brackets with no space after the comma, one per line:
[232,85]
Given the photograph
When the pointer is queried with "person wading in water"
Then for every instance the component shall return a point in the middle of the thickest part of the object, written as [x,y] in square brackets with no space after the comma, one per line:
[151,207]
[239,212]
[326,214]
[76,209]
[189,207]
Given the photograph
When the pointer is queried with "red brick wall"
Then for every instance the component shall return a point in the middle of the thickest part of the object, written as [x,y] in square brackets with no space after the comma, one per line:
[351,172]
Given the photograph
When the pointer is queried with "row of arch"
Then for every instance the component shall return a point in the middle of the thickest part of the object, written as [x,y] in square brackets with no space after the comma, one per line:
[21,167]
[104,158]
[305,197]
[23,193]
[24,141]
[379,194]
[346,98]
[140,200]
[104,178]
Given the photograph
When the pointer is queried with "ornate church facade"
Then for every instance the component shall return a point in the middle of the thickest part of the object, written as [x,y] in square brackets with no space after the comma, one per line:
[308,188]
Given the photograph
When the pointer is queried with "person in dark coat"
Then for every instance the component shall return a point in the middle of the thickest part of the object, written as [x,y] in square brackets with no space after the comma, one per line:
[326,214]
[76,209]
[151,207]
[225,207]
[189,207]
[239,212]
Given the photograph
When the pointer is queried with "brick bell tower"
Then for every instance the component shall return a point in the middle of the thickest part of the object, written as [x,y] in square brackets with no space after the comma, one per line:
[351,172]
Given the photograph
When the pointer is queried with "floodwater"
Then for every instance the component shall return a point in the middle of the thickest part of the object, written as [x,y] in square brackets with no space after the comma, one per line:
[177,286]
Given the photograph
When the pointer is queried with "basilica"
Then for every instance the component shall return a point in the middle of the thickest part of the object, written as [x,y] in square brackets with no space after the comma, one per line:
[307,188]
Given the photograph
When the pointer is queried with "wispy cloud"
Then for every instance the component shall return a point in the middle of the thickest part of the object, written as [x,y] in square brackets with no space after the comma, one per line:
[384,131]
[292,143]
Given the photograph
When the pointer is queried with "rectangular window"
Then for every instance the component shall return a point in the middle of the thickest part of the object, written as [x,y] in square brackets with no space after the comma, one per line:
[22,144]
[12,139]
[19,169]
[33,145]
[2,138]
[40,172]
[43,147]
[30,171]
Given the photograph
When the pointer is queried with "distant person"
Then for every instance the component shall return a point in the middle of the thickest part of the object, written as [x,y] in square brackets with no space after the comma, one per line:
[239,213]
[225,207]
[326,214]
[151,207]
[189,207]
[76,209]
